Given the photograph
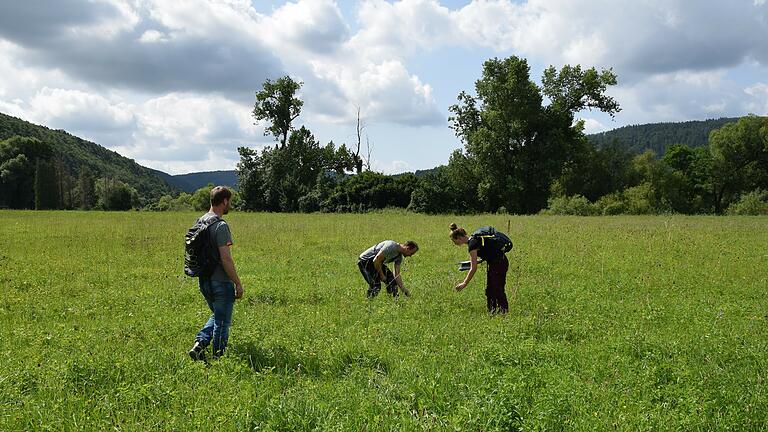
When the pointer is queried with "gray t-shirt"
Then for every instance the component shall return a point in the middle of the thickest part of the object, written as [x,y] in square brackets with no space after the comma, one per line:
[390,248]
[220,236]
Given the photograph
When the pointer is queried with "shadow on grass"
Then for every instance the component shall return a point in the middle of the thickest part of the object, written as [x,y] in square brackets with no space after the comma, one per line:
[277,299]
[280,359]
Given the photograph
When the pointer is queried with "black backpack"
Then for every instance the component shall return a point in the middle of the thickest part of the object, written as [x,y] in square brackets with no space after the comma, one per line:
[199,257]
[495,239]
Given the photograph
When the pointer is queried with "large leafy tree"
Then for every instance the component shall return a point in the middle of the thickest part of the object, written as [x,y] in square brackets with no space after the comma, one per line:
[518,145]
[691,189]
[739,153]
[19,157]
[115,195]
[250,179]
[371,190]
[46,192]
[86,186]
[277,178]
[284,177]
[594,172]
[278,105]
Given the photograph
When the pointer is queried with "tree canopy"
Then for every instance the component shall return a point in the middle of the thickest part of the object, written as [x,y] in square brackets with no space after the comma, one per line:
[277,104]
[518,144]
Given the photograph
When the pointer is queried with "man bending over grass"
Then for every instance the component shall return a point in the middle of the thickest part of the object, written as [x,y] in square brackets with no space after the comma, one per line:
[372,266]
[221,286]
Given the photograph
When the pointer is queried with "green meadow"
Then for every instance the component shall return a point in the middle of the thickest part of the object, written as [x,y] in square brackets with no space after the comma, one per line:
[615,323]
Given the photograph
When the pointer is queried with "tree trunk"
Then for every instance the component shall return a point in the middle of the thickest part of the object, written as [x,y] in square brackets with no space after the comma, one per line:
[356,156]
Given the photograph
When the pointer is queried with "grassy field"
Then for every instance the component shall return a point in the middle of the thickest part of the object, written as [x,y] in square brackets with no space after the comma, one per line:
[628,323]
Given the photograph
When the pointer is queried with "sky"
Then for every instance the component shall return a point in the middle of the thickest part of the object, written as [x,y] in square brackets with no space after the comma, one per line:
[171,84]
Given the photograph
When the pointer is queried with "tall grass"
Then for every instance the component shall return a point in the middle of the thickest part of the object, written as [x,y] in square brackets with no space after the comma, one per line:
[629,323]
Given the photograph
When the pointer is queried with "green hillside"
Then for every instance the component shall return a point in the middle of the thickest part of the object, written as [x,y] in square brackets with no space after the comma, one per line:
[658,136]
[77,153]
[194,181]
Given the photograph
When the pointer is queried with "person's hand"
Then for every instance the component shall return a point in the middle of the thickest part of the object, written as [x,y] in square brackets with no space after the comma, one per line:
[461,286]
[238,291]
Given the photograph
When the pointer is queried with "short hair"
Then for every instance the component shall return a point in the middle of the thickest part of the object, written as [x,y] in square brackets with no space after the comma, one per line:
[410,244]
[219,194]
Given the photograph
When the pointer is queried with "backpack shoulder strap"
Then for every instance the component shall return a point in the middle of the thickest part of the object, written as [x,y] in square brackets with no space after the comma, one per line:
[212,221]
[482,238]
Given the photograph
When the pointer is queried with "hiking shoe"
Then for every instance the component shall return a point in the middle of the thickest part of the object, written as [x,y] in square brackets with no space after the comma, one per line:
[197,353]
[217,354]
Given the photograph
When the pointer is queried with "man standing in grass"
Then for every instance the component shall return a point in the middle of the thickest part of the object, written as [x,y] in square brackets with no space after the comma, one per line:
[220,286]
[372,266]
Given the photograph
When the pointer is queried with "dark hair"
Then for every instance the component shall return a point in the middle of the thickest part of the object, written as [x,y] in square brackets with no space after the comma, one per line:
[457,232]
[410,244]
[219,194]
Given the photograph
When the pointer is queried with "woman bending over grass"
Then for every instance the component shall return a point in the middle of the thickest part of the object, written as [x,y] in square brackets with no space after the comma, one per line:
[491,246]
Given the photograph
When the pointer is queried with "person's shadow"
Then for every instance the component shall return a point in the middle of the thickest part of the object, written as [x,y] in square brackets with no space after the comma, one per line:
[279,359]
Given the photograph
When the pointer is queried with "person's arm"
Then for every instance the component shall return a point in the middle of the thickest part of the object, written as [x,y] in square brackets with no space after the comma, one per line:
[400,279]
[229,267]
[377,263]
[472,270]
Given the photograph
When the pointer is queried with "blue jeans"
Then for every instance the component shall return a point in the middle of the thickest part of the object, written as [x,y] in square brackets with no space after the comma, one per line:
[220,296]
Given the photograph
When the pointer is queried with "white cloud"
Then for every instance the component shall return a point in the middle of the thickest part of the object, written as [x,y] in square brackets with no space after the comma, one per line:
[216,19]
[307,26]
[758,103]
[759,89]
[384,92]
[399,29]
[214,160]
[393,167]
[124,19]
[341,72]
[79,111]
[13,108]
[679,96]
[177,117]
[716,108]
[184,132]
[171,83]
[152,36]
[593,126]
[643,37]
[19,80]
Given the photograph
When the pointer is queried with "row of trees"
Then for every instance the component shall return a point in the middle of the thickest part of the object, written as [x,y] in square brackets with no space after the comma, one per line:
[200,200]
[515,146]
[523,153]
[298,173]
[733,167]
[32,175]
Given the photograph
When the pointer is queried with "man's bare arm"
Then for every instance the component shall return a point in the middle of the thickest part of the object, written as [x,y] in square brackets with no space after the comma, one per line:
[472,270]
[399,280]
[377,263]
[229,267]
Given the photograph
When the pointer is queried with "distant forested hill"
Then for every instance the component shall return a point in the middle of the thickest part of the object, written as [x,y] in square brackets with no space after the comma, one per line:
[194,181]
[77,153]
[659,136]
